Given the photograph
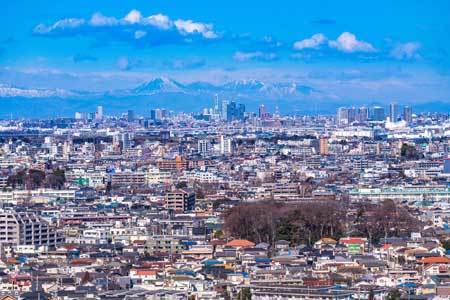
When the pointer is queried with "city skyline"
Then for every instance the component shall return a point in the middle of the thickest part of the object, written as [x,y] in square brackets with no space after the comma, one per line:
[293,53]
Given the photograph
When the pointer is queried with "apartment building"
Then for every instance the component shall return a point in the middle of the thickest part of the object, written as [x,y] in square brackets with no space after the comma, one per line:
[26,228]
[180,200]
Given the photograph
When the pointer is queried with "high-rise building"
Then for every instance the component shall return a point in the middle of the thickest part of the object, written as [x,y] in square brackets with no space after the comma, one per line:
[203,146]
[378,113]
[231,111]
[99,113]
[226,145]
[363,114]
[216,105]
[323,146]
[342,116]
[180,200]
[393,112]
[224,109]
[157,114]
[262,112]
[130,116]
[407,114]
[80,116]
[126,140]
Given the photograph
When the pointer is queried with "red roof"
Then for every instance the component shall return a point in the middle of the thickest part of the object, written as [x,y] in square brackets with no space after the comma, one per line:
[240,244]
[435,260]
[144,272]
[352,240]
[82,262]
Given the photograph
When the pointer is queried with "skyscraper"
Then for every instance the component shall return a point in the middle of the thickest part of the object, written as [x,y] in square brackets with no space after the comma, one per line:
[363,114]
[323,146]
[226,145]
[407,114]
[393,112]
[262,112]
[342,116]
[216,106]
[99,113]
[378,113]
[130,116]
[157,114]
[224,110]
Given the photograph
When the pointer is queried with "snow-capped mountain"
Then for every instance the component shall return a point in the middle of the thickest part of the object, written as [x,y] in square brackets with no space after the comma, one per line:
[252,88]
[159,85]
[7,91]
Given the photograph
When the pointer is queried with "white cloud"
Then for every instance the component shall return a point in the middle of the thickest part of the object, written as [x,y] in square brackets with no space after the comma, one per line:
[257,55]
[311,43]
[406,51]
[69,23]
[347,42]
[159,20]
[98,19]
[189,27]
[133,17]
[139,34]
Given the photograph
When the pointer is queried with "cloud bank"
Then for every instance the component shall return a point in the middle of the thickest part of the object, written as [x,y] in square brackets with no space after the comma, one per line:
[133,27]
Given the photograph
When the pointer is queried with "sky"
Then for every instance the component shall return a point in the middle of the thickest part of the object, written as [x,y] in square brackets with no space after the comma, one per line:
[372,51]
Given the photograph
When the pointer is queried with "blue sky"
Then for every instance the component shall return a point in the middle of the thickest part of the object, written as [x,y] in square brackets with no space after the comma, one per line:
[377,51]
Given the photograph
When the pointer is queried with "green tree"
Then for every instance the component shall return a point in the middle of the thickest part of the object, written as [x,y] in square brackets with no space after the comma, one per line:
[394,294]
[244,294]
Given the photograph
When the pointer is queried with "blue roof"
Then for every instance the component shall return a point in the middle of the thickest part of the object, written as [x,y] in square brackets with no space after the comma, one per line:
[185,272]
[263,260]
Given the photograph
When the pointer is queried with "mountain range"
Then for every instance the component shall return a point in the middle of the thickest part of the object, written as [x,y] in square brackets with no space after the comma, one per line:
[161,85]
[291,97]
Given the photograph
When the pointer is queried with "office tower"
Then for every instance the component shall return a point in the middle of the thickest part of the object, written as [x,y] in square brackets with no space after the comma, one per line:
[323,146]
[351,115]
[180,200]
[157,114]
[26,228]
[99,113]
[126,140]
[203,146]
[407,114]
[262,112]
[226,145]
[235,112]
[393,112]
[224,110]
[80,116]
[342,116]
[363,114]
[216,105]
[378,113]
[116,139]
[130,116]
[231,111]
[164,113]
[240,113]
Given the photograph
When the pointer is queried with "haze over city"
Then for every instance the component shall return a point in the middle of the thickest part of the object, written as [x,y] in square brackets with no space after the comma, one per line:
[60,56]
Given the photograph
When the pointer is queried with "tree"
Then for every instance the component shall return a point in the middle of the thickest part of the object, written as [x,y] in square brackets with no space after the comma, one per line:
[86,278]
[394,294]
[268,221]
[244,294]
